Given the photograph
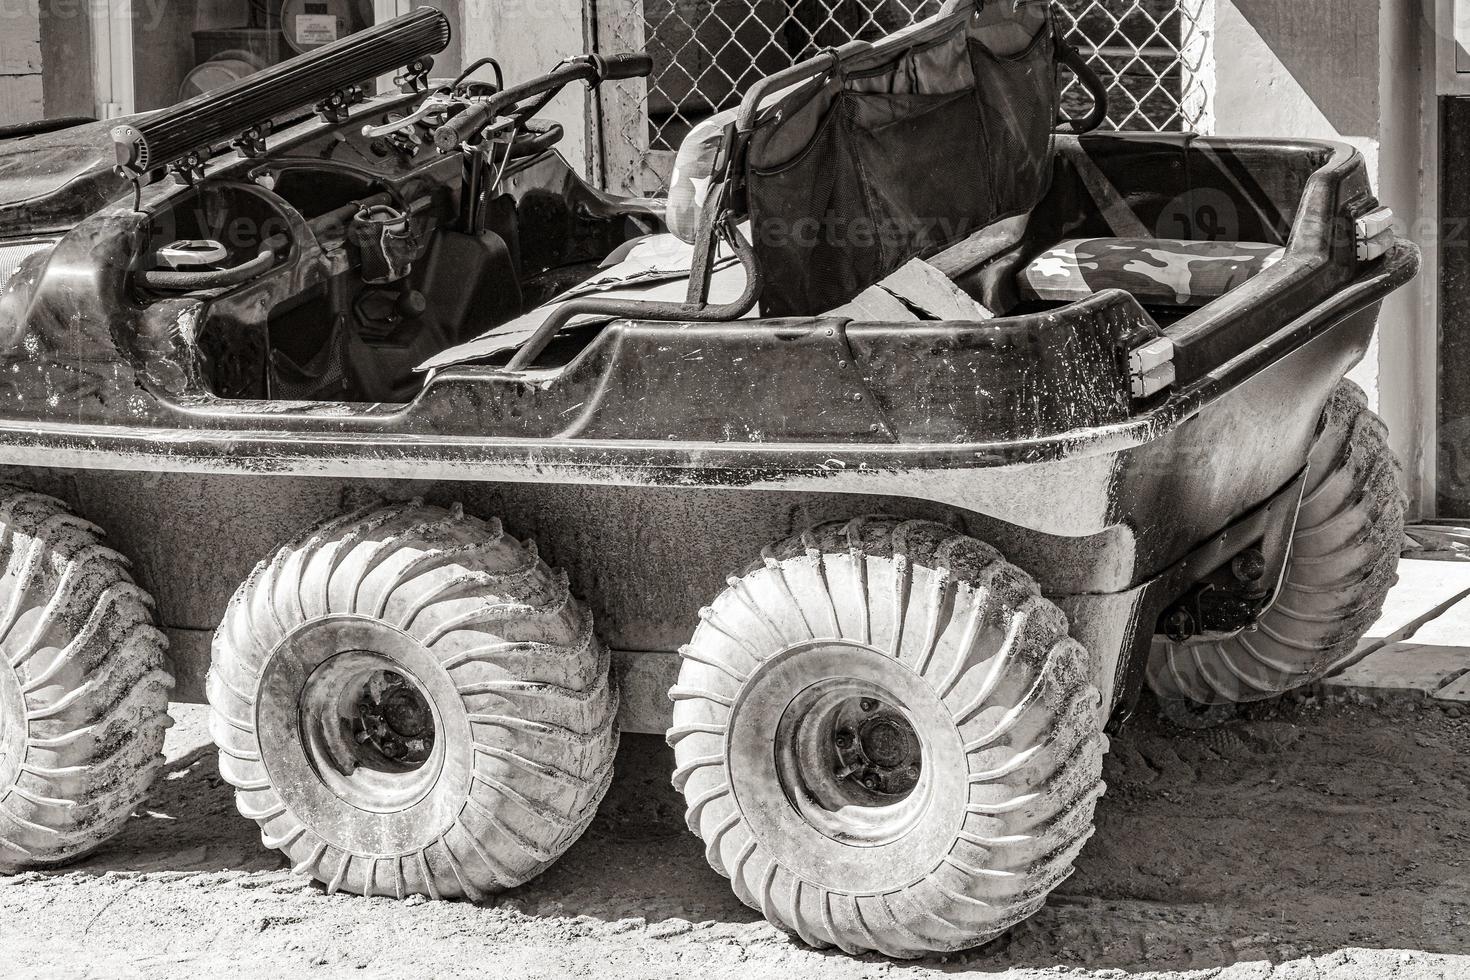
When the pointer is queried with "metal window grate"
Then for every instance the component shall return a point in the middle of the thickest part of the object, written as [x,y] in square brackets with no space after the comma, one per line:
[1152,54]
[710,51]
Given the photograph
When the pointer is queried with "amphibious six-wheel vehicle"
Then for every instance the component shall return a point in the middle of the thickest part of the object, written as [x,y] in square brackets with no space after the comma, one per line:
[898,449]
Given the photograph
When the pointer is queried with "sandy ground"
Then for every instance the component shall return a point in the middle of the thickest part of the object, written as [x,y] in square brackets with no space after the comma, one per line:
[1304,840]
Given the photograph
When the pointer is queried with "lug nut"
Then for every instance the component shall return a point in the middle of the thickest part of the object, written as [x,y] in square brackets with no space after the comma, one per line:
[867,704]
[843,740]
[871,782]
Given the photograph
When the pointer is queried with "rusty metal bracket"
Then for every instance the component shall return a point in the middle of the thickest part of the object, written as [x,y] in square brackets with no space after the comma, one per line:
[415,76]
[335,107]
[189,169]
[1271,525]
[251,143]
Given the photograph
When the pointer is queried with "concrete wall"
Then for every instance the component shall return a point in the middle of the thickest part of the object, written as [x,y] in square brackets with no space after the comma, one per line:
[66,42]
[1349,70]
[163,51]
[21,95]
[529,37]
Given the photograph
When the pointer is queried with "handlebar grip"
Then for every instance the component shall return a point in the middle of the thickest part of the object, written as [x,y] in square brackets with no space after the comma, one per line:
[462,128]
[619,66]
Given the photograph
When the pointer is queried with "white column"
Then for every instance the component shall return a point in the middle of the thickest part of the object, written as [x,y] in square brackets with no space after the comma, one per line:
[1197,57]
[622,106]
[388,9]
[112,57]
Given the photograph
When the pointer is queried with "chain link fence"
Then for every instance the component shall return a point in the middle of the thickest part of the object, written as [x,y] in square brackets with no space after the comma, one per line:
[1153,55]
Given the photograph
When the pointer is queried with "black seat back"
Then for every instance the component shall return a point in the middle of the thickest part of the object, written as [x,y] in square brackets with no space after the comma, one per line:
[896,150]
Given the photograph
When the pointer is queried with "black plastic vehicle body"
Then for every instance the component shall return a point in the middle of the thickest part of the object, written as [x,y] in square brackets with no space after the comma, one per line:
[1023,429]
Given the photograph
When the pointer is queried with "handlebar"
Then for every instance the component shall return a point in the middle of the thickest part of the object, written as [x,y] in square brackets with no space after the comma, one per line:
[591,68]
[461,128]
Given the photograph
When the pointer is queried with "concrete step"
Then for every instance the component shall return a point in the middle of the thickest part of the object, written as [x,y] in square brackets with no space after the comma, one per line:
[1421,643]
[1436,672]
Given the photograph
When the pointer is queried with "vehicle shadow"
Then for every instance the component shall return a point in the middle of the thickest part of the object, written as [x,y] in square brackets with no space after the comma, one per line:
[188,825]
[1297,829]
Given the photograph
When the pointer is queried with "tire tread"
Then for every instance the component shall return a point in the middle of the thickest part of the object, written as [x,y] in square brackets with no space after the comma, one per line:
[1038,807]
[1335,584]
[93,677]
[541,706]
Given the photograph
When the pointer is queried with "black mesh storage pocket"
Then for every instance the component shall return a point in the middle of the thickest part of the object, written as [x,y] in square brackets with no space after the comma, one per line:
[803,217]
[886,178]
[922,159]
[1018,104]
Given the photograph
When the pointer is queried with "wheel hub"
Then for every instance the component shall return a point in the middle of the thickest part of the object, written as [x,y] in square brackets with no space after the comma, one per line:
[369,731]
[876,747]
[393,719]
[850,761]
[326,704]
[787,774]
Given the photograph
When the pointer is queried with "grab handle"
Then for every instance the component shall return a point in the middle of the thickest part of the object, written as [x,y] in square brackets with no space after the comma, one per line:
[1096,89]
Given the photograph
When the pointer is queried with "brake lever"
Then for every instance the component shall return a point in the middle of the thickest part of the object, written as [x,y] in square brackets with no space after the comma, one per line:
[430,105]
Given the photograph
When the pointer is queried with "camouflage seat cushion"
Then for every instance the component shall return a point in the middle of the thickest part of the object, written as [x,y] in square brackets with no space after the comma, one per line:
[693,176]
[1155,270]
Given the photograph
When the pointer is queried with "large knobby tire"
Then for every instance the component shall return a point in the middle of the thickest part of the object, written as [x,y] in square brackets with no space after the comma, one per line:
[1344,556]
[83,686]
[409,701]
[887,739]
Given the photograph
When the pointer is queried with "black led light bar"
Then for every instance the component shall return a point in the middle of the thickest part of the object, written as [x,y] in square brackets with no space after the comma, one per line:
[226,113]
